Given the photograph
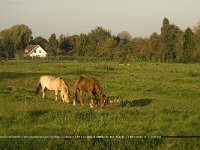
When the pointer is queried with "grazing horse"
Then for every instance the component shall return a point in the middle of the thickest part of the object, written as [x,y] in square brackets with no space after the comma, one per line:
[56,84]
[89,85]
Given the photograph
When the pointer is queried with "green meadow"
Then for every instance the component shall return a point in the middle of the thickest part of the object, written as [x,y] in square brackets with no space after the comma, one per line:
[150,99]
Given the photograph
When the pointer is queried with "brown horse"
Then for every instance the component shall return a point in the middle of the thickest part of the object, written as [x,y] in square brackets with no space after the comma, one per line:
[89,85]
[56,84]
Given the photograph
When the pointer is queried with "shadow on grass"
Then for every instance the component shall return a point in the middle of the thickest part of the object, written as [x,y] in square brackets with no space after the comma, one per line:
[37,113]
[131,103]
[13,75]
[135,103]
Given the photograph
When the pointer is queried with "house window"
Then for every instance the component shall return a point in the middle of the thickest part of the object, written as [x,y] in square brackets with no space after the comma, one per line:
[40,51]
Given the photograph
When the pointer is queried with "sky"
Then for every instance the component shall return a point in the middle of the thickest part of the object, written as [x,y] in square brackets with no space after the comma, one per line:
[138,17]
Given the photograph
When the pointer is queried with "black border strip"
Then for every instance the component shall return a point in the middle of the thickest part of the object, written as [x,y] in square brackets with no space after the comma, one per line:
[180,137]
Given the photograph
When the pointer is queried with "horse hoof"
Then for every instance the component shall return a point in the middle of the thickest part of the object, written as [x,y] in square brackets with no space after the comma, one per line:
[74,103]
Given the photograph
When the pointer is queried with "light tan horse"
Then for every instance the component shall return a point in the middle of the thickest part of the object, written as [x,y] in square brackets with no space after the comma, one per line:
[56,84]
[89,85]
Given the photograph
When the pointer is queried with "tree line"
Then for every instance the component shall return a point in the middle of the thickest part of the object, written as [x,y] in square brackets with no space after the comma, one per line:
[171,45]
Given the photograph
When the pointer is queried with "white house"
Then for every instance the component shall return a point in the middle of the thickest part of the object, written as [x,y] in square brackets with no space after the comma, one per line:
[35,51]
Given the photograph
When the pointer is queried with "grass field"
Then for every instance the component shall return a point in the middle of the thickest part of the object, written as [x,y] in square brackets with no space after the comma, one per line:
[151,99]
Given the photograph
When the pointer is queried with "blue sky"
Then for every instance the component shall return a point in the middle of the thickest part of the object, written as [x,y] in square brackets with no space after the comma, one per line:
[138,17]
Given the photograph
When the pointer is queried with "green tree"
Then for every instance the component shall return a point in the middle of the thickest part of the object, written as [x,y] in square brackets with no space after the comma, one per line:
[106,47]
[166,46]
[1,49]
[52,45]
[95,37]
[81,45]
[197,32]
[124,35]
[8,50]
[169,37]
[141,49]
[179,46]
[14,40]
[65,44]
[40,41]
[196,54]
[189,45]
[124,50]
[155,47]
[21,35]
[165,22]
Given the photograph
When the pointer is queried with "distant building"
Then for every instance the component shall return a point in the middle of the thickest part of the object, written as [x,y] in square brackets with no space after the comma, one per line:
[35,51]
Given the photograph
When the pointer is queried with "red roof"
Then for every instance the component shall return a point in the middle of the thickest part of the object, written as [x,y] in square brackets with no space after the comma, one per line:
[29,48]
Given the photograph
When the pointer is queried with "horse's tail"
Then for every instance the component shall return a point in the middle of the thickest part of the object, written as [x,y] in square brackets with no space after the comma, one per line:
[38,87]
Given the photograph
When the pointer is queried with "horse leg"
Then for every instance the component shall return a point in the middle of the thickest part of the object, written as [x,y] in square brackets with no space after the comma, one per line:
[75,95]
[92,100]
[56,95]
[43,92]
[62,96]
[81,96]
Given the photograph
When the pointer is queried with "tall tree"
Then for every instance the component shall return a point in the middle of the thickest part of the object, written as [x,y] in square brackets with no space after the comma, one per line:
[169,37]
[124,35]
[81,44]
[1,49]
[64,44]
[40,41]
[165,38]
[106,47]
[197,31]
[8,50]
[52,45]
[21,35]
[196,54]
[141,49]
[189,45]
[124,50]
[95,37]
[155,47]
[15,39]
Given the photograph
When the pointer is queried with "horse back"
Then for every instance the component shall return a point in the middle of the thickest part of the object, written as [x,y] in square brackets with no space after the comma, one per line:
[52,83]
[87,84]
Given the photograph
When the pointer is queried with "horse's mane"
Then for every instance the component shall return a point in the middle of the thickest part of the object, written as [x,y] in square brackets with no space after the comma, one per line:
[65,85]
